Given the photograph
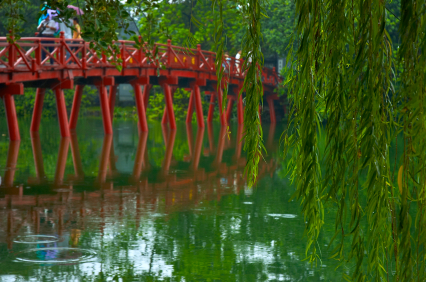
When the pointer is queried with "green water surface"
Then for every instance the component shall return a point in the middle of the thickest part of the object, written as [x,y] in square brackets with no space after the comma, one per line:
[95,208]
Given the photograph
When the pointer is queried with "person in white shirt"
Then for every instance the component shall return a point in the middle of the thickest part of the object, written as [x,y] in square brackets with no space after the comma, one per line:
[237,61]
[47,28]
[67,32]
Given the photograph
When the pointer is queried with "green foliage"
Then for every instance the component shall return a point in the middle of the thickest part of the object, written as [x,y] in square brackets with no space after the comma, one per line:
[346,81]
[25,103]
[156,106]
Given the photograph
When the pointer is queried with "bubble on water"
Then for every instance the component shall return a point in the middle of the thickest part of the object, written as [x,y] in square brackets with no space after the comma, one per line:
[55,255]
[36,239]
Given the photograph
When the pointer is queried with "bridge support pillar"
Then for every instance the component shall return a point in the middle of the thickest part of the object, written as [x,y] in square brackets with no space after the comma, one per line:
[211,107]
[106,118]
[190,110]
[12,119]
[169,105]
[197,150]
[240,110]
[38,109]
[111,100]
[198,106]
[62,161]
[62,113]
[195,100]
[169,151]
[76,106]
[140,106]
[271,110]
[222,114]
[165,118]
[12,159]
[229,108]
[146,89]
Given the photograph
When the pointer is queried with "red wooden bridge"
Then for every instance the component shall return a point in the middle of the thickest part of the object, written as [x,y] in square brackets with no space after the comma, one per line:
[61,63]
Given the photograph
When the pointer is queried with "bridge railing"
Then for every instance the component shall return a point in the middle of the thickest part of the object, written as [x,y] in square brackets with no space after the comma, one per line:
[35,54]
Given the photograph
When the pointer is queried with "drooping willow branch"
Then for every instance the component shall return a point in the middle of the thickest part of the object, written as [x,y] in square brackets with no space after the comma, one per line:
[350,86]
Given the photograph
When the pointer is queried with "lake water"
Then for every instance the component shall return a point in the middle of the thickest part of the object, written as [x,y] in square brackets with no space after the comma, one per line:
[162,206]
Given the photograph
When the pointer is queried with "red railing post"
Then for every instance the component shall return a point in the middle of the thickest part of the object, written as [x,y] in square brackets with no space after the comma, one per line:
[198,59]
[169,52]
[38,109]
[62,51]
[12,55]
[83,56]
[38,52]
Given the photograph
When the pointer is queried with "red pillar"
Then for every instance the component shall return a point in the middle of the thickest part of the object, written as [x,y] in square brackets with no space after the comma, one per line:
[38,157]
[143,124]
[140,155]
[189,138]
[271,110]
[211,107]
[76,106]
[220,145]
[198,148]
[198,106]
[62,161]
[229,109]
[165,118]
[190,110]
[62,113]
[211,137]
[221,112]
[38,109]
[146,89]
[12,119]
[111,100]
[12,159]
[240,110]
[239,144]
[76,158]
[103,163]
[106,118]
[169,151]
[169,105]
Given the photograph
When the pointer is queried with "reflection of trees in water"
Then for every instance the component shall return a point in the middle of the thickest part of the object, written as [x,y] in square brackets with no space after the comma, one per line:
[159,224]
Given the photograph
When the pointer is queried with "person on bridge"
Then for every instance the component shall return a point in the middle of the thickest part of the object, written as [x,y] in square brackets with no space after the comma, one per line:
[77,30]
[47,28]
[237,61]
[63,26]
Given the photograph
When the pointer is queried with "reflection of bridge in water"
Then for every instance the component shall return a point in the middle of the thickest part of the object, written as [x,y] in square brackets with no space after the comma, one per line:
[68,197]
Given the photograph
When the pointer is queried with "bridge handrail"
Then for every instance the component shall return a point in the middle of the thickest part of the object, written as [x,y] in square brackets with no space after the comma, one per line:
[27,55]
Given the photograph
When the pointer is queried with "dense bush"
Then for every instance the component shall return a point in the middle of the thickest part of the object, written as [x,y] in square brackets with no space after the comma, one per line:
[25,103]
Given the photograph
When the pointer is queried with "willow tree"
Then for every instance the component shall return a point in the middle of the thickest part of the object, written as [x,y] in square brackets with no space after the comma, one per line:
[347,76]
